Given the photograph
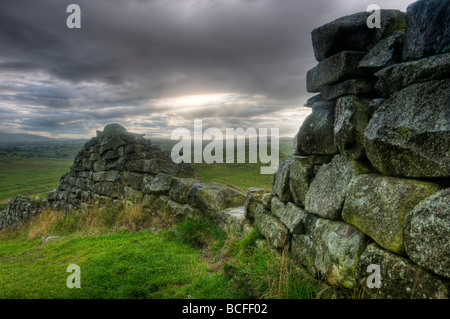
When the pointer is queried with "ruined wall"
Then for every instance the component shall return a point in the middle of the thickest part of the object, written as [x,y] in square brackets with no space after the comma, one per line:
[117,165]
[369,180]
[367,184]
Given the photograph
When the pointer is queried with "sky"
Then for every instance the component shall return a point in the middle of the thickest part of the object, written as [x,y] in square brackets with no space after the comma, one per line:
[156,65]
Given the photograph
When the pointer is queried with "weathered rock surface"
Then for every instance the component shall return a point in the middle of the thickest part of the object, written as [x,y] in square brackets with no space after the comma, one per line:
[337,68]
[351,119]
[180,189]
[378,205]
[427,29]
[271,227]
[315,136]
[214,197]
[294,218]
[327,191]
[280,184]
[399,76]
[161,183]
[400,278]
[350,33]
[427,233]
[231,220]
[385,53]
[409,135]
[303,169]
[19,210]
[349,87]
[314,100]
[252,199]
[331,252]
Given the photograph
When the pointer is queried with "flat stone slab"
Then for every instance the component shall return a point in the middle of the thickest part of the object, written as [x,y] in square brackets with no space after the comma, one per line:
[399,76]
[350,33]
[337,68]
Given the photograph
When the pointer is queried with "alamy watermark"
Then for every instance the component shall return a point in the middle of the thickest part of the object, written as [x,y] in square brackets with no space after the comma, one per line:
[74,280]
[374,279]
[213,152]
[374,20]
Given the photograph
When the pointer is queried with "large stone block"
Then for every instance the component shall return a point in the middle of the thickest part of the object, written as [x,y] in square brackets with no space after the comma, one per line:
[409,135]
[271,228]
[214,197]
[351,119]
[349,87]
[427,29]
[327,191]
[280,184]
[350,33]
[231,220]
[427,233]
[294,218]
[399,277]
[399,76]
[109,189]
[252,199]
[379,204]
[315,136]
[160,184]
[338,68]
[338,247]
[180,189]
[385,53]
[303,169]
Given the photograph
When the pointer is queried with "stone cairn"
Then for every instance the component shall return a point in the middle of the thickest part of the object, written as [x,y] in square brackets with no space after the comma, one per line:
[369,181]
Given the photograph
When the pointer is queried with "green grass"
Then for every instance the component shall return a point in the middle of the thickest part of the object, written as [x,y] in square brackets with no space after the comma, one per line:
[118,265]
[244,175]
[193,259]
[30,175]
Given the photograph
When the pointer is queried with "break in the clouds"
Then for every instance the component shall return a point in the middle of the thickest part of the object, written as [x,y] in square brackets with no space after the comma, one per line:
[159,64]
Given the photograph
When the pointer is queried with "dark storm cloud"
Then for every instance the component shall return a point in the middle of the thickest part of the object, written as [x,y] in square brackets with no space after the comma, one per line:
[130,53]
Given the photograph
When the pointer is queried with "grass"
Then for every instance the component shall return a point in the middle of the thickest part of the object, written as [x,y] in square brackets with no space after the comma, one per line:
[121,258]
[244,175]
[28,176]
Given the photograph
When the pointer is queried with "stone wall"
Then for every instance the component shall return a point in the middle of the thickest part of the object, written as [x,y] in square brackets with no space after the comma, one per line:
[368,183]
[369,180]
[117,165]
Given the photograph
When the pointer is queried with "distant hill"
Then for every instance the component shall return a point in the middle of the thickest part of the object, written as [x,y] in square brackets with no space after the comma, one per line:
[22,138]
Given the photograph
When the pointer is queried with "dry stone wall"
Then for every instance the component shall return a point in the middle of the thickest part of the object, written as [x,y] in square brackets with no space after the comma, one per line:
[117,165]
[368,184]
[369,180]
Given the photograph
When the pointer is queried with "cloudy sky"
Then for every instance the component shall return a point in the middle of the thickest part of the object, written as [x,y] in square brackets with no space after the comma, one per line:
[154,65]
